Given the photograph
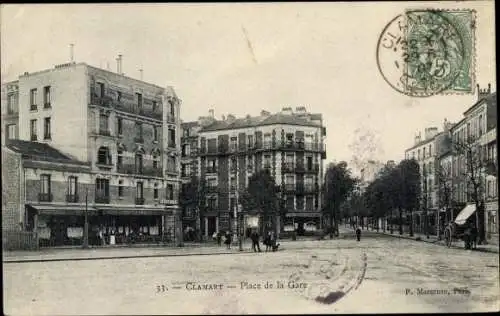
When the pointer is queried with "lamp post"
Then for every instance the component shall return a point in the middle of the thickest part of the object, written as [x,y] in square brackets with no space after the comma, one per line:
[86,223]
[239,227]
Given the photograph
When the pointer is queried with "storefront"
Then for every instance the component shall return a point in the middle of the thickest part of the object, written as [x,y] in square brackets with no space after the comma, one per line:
[302,223]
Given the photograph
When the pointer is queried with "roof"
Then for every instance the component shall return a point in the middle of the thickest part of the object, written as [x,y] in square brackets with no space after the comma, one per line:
[40,151]
[273,119]
[423,142]
[189,124]
[490,99]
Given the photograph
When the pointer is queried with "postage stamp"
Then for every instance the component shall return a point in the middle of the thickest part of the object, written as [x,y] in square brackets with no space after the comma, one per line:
[426,52]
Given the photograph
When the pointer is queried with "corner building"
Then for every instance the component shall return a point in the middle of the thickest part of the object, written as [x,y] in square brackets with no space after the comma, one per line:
[289,144]
[125,130]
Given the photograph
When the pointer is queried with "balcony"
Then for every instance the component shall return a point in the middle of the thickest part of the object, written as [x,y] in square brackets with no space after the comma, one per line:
[72,198]
[300,189]
[104,101]
[47,105]
[300,168]
[287,167]
[34,138]
[126,169]
[152,172]
[233,189]
[211,170]
[171,145]
[194,152]
[267,166]
[314,168]
[311,188]
[222,149]
[45,197]
[139,201]
[102,199]
[105,164]
[104,132]
[139,139]
[172,171]
[267,145]
[171,118]
[33,107]
[233,148]
[289,187]
[212,189]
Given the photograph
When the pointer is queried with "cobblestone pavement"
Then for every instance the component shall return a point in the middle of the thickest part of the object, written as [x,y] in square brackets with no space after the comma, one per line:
[378,274]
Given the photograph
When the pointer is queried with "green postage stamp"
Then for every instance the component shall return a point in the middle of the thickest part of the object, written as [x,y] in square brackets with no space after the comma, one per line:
[426,52]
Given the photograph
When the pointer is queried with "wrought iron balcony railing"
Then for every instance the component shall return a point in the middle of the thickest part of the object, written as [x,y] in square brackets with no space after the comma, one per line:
[139,201]
[102,199]
[45,197]
[72,198]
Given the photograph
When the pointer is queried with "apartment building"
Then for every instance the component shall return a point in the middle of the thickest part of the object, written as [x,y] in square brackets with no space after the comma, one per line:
[125,129]
[477,129]
[290,144]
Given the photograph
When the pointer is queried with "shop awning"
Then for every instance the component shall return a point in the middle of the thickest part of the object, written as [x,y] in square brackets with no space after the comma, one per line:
[134,211]
[74,210]
[465,214]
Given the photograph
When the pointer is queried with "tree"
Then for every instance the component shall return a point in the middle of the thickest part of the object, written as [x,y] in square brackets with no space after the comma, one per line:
[262,195]
[444,182]
[193,195]
[473,164]
[339,183]
[409,171]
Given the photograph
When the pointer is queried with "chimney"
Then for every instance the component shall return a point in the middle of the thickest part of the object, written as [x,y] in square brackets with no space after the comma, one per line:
[71,52]
[120,65]
[430,132]
[287,111]
[264,113]
[417,138]
[141,72]
[211,113]
[223,117]
[300,110]
[482,93]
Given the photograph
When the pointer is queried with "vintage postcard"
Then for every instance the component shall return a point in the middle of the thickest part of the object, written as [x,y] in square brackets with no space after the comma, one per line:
[249,158]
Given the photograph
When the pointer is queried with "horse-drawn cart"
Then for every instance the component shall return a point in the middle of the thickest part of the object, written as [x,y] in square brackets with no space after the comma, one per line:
[462,228]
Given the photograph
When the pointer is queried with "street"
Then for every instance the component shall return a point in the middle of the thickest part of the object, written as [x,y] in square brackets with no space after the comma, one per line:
[378,274]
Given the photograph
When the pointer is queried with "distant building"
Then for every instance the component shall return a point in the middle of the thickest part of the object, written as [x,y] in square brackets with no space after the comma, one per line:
[125,130]
[289,144]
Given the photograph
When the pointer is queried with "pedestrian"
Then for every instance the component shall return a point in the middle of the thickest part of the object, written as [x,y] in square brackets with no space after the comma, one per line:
[219,238]
[228,240]
[358,233]
[255,241]
[267,241]
[101,237]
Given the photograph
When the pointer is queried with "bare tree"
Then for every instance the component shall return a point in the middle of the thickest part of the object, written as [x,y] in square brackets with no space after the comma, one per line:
[444,182]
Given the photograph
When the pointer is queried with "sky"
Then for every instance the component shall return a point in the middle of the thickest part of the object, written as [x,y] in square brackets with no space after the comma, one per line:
[242,58]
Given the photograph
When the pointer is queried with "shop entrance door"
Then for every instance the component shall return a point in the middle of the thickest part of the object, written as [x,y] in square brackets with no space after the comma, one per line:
[211,225]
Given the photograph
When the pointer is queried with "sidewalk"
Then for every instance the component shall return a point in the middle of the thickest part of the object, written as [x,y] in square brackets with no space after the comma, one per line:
[459,244]
[136,251]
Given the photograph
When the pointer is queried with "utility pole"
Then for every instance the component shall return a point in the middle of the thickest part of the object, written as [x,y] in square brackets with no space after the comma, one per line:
[86,224]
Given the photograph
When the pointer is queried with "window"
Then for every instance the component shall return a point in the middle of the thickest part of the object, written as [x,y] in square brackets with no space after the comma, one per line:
[119,161]
[156,161]
[430,150]
[480,124]
[170,192]
[102,91]
[33,93]
[172,108]
[45,184]
[234,164]
[309,162]
[300,202]
[250,141]
[138,98]
[33,131]
[155,191]
[155,106]
[212,203]
[138,162]
[119,123]
[46,97]
[120,188]
[290,202]
[186,149]
[211,183]
[418,155]
[103,122]
[185,132]
[289,139]
[267,140]
[140,190]
[155,133]
[171,137]
[423,153]
[171,164]
[102,188]
[289,179]
[211,165]
[233,143]
[72,182]
[46,134]
[11,131]
[103,156]
[12,104]
[119,96]
[289,159]
[267,161]
[138,132]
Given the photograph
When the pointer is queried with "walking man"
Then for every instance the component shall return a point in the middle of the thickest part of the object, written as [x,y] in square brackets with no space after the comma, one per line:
[255,241]
[358,233]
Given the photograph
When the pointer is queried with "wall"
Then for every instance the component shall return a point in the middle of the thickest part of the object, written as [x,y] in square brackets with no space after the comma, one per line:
[12,209]
[69,99]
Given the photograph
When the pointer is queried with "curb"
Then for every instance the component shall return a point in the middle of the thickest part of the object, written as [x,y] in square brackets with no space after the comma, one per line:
[437,242]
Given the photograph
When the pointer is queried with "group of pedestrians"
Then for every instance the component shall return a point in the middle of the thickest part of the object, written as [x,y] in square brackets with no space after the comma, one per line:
[270,241]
